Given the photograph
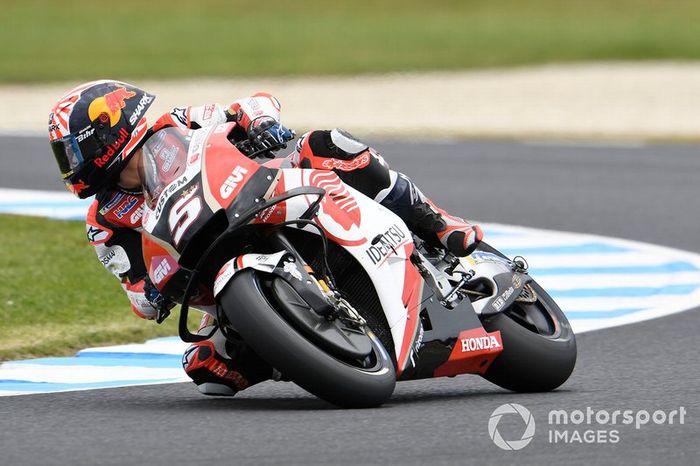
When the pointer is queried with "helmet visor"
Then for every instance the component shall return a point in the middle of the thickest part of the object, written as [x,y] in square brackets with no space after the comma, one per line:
[67,154]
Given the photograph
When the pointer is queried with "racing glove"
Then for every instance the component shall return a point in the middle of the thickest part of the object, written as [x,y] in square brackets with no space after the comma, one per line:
[159,302]
[267,134]
[259,117]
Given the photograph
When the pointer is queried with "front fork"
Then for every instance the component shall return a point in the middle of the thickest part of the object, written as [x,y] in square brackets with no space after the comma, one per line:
[302,277]
[334,305]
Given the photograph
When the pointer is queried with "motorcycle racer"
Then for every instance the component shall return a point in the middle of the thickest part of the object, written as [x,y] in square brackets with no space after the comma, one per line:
[96,132]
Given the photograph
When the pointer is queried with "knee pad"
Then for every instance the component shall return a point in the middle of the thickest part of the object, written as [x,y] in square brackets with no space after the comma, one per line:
[352,160]
[335,143]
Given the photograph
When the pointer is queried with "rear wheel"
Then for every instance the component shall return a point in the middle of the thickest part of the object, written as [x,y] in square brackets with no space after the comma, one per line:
[539,347]
[314,365]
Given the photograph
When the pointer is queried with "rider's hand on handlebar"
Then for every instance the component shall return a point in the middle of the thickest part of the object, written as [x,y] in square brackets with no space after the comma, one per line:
[159,302]
[265,133]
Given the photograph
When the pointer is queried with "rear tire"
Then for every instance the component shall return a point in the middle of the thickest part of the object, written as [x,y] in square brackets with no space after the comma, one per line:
[536,357]
[339,382]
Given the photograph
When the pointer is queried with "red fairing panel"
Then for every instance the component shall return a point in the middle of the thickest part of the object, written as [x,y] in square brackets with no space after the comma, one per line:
[342,206]
[473,353]
[278,212]
[226,170]
[339,215]
[160,263]
[412,293]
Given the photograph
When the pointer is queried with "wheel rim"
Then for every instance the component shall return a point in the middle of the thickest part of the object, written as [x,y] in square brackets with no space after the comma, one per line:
[371,363]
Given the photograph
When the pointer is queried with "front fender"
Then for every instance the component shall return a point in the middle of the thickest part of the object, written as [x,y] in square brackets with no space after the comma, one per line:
[262,262]
[283,264]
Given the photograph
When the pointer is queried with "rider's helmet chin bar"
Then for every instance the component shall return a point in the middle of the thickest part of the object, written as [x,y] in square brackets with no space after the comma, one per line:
[236,223]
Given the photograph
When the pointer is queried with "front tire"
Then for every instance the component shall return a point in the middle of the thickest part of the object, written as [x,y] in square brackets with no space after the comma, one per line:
[343,383]
[539,346]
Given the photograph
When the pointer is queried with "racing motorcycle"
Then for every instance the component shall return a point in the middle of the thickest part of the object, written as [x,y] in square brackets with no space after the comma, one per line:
[328,286]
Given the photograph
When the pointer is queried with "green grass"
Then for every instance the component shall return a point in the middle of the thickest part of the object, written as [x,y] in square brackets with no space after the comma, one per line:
[56,297]
[131,39]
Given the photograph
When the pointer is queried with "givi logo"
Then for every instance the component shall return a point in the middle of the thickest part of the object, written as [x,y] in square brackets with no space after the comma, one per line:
[231,183]
[161,271]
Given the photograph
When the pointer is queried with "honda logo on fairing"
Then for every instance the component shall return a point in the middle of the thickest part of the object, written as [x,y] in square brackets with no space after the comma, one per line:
[479,343]
[232,181]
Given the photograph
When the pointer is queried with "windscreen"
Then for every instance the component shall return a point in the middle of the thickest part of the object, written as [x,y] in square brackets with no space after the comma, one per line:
[164,160]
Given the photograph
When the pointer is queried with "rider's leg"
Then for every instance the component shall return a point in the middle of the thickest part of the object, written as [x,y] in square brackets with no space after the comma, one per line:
[220,367]
[426,219]
[362,168]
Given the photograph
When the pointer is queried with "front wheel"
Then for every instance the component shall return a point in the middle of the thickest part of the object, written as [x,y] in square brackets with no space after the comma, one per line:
[539,347]
[341,381]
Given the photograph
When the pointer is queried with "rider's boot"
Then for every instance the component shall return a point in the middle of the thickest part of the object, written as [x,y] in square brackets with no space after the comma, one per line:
[220,367]
[431,223]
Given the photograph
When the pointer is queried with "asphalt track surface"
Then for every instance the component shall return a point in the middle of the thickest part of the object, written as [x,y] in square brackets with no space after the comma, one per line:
[645,193]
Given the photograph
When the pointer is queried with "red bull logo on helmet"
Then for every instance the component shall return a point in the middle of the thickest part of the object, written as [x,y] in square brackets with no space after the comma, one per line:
[110,105]
[112,149]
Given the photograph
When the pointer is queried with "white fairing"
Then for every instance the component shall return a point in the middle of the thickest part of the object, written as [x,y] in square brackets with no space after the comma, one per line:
[384,261]
[372,234]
